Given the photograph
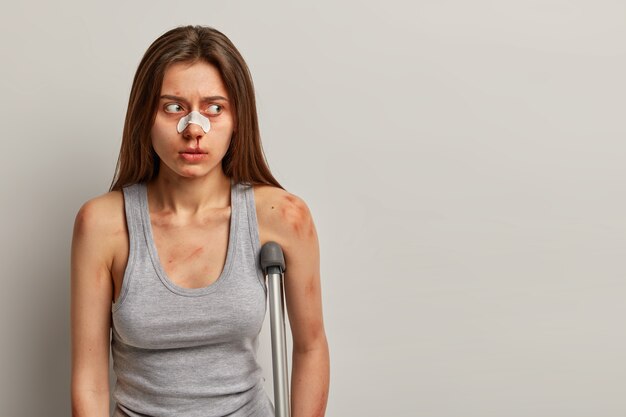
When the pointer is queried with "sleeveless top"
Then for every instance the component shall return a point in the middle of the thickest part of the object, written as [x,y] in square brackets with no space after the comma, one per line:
[190,351]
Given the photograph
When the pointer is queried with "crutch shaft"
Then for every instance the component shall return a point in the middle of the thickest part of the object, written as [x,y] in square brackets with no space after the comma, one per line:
[273,263]
[279,346]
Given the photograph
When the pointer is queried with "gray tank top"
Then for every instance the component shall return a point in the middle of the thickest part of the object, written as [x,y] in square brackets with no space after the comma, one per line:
[190,351]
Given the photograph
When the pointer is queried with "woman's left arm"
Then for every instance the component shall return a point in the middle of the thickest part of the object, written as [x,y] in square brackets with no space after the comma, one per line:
[310,375]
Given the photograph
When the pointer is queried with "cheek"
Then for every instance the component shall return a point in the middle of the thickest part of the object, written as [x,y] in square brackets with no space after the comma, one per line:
[222,132]
[161,133]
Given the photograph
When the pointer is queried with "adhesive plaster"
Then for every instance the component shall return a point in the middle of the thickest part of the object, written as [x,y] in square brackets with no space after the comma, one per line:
[196,118]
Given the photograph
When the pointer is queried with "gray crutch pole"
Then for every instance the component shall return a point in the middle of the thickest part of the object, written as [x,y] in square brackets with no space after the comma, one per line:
[273,264]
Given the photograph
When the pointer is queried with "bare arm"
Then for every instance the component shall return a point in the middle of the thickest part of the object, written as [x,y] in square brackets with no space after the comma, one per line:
[90,313]
[310,376]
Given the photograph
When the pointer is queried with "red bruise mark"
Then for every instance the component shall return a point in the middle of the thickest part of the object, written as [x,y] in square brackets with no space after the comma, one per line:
[291,198]
[295,213]
[310,287]
[194,253]
[311,231]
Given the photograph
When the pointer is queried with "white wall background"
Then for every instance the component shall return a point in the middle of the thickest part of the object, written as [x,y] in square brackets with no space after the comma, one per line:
[464,163]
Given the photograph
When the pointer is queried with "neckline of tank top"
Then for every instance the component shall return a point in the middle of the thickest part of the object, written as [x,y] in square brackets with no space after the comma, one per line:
[156,260]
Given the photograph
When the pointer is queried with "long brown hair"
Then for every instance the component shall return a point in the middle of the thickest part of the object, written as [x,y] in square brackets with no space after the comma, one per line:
[244,160]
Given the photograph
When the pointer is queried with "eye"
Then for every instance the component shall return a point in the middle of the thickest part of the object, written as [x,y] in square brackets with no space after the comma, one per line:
[214,109]
[173,108]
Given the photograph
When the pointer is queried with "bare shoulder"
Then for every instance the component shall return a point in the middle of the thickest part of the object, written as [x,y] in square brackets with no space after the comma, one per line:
[102,219]
[284,216]
[101,213]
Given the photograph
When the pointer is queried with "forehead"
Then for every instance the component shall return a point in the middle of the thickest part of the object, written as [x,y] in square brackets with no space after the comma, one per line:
[187,80]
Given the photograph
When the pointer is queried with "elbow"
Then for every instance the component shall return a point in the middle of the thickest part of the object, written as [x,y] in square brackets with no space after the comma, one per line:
[90,403]
[315,346]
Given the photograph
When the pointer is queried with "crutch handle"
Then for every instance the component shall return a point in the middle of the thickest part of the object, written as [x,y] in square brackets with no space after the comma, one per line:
[273,264]
[272,255]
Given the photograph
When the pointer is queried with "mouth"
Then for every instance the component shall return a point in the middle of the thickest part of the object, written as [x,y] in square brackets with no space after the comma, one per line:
[193,151]
[194,156]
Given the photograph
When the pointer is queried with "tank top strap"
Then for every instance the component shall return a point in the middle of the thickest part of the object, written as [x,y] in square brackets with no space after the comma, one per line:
[249,233]
[249,207]
[132,210]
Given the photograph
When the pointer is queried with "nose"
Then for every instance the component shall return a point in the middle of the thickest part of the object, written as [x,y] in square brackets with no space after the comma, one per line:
[193,131]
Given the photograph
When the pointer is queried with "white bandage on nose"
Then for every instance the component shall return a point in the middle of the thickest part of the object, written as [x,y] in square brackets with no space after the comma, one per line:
[194,117]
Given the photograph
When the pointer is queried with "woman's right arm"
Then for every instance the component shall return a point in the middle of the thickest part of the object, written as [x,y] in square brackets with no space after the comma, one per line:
[90,311]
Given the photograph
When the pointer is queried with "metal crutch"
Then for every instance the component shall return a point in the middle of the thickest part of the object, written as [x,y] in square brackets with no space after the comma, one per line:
[273,264]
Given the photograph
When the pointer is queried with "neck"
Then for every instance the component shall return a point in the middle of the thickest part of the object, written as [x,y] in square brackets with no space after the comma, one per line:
[179,195]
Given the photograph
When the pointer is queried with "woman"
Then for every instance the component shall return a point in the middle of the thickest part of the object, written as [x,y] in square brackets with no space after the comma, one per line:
[168,259]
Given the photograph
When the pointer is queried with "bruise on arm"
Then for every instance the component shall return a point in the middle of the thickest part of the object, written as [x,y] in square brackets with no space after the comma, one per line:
[303,294]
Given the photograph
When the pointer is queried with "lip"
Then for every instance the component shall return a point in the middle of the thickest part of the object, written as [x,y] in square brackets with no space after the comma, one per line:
[193,150]
[193,156]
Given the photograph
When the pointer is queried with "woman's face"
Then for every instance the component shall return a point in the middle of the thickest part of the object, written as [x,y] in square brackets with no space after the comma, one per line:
[187,88]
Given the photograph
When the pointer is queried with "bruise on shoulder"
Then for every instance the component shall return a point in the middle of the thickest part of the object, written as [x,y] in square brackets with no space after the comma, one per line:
[295,213]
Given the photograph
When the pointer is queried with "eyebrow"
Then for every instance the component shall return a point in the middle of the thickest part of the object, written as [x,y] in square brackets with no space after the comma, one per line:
[204,99]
